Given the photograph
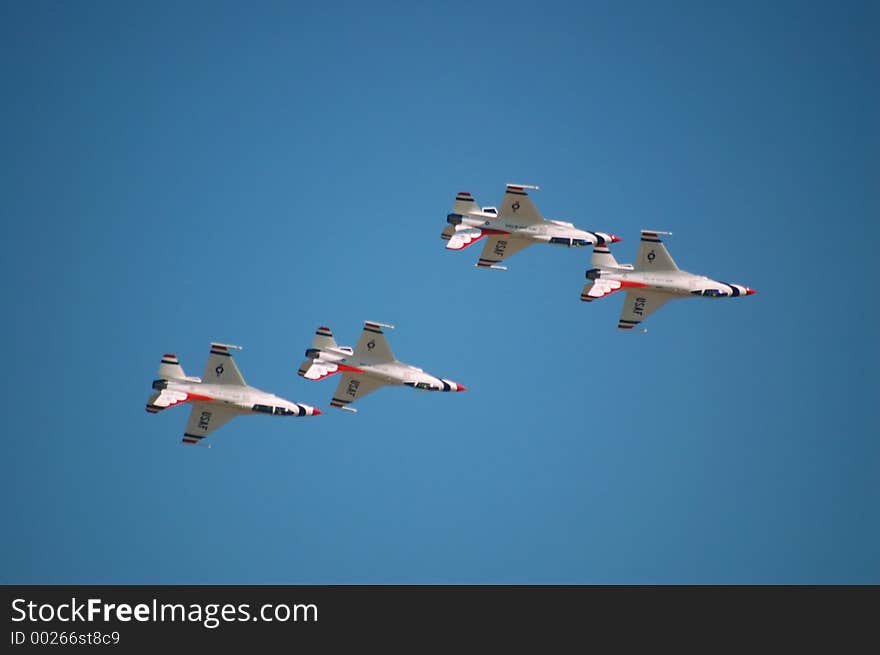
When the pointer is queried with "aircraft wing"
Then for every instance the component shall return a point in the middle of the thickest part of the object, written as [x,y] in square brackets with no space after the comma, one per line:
[204,419]
[221,368]
[498,247]
[353,386]
[652,255]
[638,305]
[517,205]
[372,346]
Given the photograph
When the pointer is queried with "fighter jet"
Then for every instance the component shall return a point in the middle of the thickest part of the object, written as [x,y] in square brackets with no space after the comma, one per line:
[650,282]
[518,224]
[368,367]
[219,395]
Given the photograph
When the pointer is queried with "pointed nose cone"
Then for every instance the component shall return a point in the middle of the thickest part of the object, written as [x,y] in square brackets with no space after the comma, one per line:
[615,238]
[750,291]
[316,411]
[449,385]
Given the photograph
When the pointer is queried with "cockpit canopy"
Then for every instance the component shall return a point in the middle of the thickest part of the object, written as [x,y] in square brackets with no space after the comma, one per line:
[710,293]
[278,411]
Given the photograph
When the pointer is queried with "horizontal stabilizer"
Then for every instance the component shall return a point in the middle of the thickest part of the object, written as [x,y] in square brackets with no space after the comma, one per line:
[318,369]
[464,236]
[599,289]
[165,398]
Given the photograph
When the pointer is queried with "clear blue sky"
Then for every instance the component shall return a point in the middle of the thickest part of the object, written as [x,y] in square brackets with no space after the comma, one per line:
[176,173]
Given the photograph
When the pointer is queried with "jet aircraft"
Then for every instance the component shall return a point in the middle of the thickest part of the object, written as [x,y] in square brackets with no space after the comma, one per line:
[369,366]
[518,224]
[649,283]
[219,395]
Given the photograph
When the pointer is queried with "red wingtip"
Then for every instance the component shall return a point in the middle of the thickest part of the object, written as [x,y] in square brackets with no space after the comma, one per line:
[750,291]
[169,355]
[316,411]
[461,387]
[324,327]
[615,238]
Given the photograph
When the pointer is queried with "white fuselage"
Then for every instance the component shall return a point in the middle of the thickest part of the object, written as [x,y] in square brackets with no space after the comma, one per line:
[241,399]
[546,231]
[673,283]
[389,373]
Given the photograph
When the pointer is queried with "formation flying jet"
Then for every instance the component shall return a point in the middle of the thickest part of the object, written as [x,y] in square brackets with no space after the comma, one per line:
[518,224]
[368,367]
[650,282]
[219,395]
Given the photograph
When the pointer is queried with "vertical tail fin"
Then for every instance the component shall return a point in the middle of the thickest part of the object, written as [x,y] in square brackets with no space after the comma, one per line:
[464,203]
[323,339]
[602,257]
[170,368]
